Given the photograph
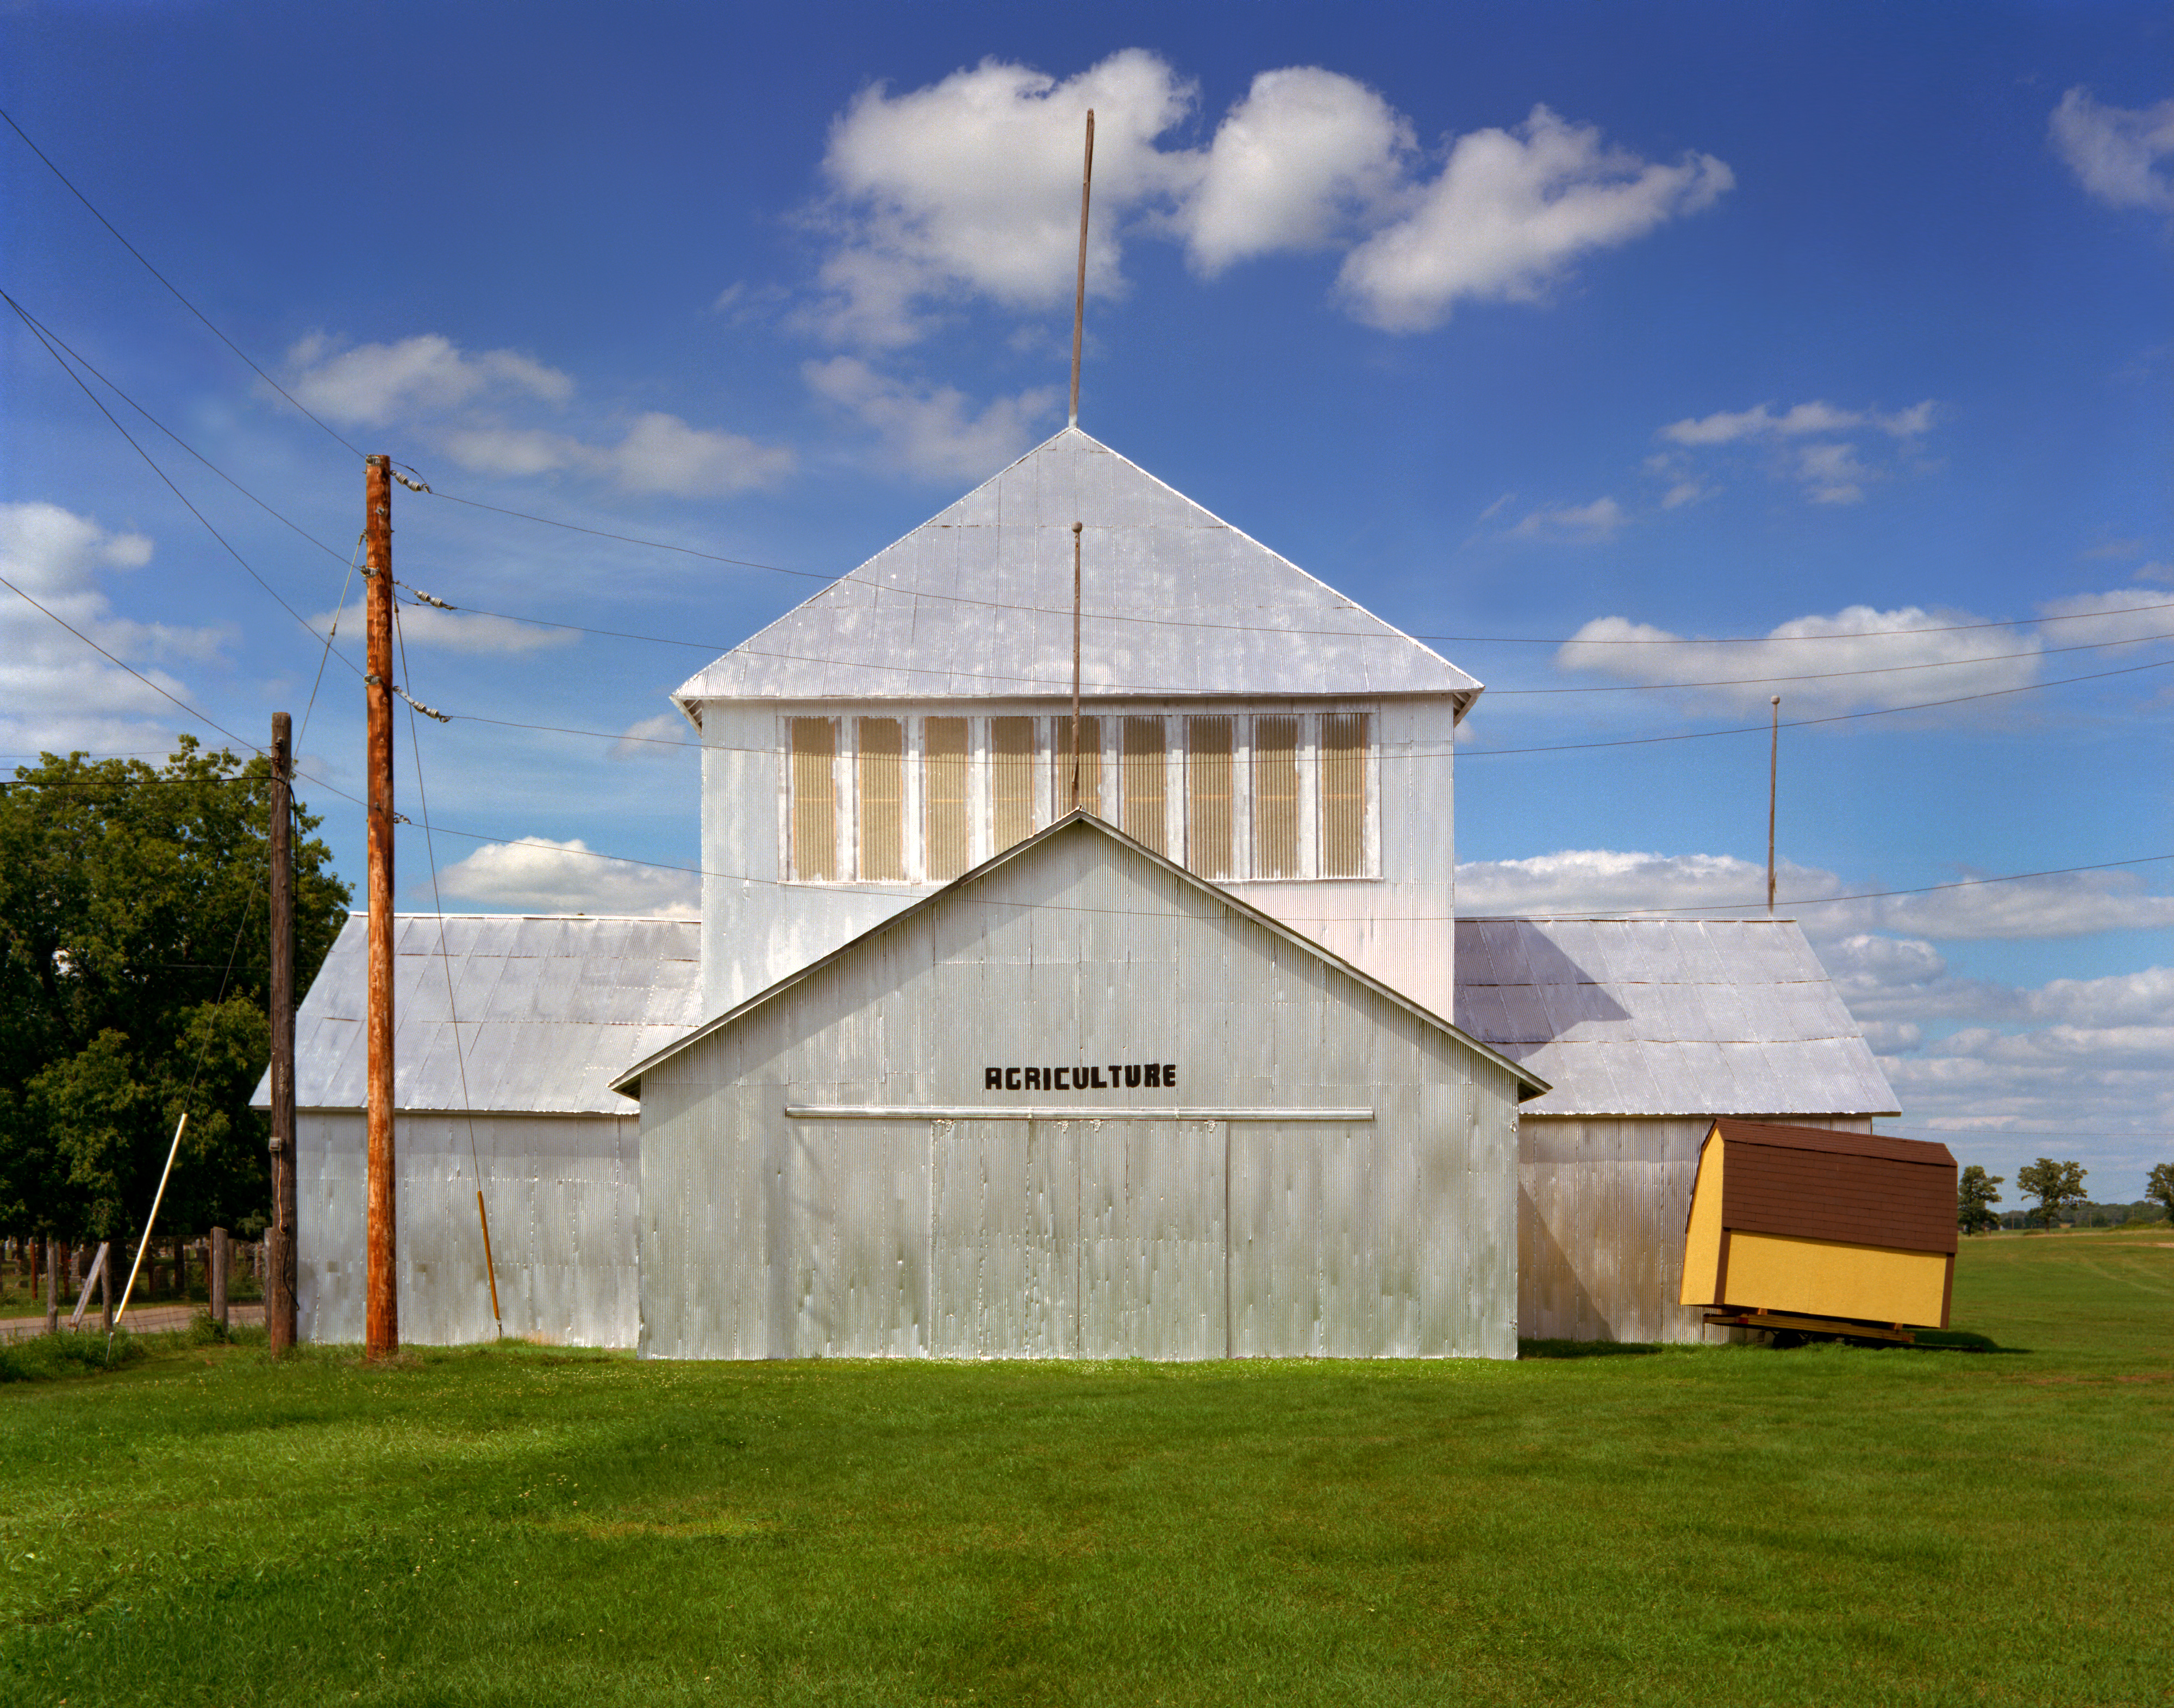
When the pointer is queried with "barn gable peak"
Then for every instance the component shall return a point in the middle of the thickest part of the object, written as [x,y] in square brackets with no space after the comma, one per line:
[976,603]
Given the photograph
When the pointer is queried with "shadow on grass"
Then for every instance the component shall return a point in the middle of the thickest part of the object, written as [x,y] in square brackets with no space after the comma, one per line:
[1928,1340]
[1961,1340]
[1587,1348]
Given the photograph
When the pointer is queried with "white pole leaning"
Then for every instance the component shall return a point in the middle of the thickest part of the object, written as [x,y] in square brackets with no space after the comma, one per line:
[173,1151]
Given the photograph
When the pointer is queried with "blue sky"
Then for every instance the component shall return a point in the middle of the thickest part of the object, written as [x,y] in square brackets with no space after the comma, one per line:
[1748,336]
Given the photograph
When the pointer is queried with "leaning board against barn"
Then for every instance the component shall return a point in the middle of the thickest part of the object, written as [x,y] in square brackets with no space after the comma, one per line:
[944,1139]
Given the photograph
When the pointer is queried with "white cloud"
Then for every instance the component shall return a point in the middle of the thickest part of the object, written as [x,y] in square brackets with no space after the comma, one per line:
[1727,426]
[931,432]
[2124,616]
[371,383]
[661,453]
[1832,472]
[1859,659]
[1916,655]
[972,184]
[2154,572]
[56,693]
[2119,154]
[1685,492]
[1592,880]
[660,737]
[467,396]
[1307,158]
[1579,524]
[658,453]
[423,626]
[540,876]
[1509,214]
[968,186]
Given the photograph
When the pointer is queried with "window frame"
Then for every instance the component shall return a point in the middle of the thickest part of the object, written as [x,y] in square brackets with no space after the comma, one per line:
[1048,792]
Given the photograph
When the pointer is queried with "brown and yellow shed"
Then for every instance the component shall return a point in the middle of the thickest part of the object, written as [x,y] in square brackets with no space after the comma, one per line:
[1853,1227]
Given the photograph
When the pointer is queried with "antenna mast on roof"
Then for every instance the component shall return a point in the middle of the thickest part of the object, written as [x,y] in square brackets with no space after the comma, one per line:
[1080,294]
[1773,774]
[1078,324]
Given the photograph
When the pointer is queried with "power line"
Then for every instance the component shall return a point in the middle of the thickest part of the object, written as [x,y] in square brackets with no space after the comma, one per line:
[51,338]
[1872,894]
[1715,908]
[39,325]
[1226,628]
[1441,752]
[200,717]
[152,464]
[162,277]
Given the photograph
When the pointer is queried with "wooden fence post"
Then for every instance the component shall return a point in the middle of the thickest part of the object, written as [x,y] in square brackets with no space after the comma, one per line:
[217,1279]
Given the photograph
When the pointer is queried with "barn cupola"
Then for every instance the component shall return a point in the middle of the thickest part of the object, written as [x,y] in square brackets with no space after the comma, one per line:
[1238,715]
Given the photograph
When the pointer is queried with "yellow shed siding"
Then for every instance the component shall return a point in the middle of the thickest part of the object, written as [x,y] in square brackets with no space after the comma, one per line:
[1702,1236]
[1826,1278]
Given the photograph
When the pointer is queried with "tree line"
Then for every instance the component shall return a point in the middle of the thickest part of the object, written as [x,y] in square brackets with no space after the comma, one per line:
[135,982]
[2058,1187]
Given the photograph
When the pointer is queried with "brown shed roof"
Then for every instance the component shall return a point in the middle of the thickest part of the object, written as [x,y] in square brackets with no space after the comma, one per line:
[1866,1189]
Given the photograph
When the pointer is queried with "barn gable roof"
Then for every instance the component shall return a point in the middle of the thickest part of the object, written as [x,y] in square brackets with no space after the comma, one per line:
[976,603]
[549,1008]
[1656,1017]
[1025,854]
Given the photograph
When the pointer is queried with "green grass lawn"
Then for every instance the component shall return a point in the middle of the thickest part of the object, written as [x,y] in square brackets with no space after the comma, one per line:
[517,1525]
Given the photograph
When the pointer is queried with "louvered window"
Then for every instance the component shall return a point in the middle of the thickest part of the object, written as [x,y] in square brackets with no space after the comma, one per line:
[1207,795]
[1344,794]
[1275,796]
[1011,780]
[880,760]
[1143,783]
[944,796]
[814,807]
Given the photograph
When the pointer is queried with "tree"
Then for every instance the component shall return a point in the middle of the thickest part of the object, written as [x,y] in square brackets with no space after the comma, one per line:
[1974,1198]
[2055,1185]
[2160,1188]
[134,974]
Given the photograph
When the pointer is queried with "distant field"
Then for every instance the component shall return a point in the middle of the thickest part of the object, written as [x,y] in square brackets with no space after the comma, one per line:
[1701,1526]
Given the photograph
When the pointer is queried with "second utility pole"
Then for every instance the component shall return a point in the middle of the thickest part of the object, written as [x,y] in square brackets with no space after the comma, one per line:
[381,1307]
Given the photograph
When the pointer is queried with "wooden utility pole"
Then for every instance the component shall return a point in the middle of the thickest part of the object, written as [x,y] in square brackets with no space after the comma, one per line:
[280,1256]
[381,1308]
[1773,777]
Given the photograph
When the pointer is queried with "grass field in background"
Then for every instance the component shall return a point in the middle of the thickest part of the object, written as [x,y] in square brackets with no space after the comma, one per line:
[519,1525]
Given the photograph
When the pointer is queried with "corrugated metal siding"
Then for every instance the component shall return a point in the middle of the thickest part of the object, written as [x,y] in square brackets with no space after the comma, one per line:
[764,1235]
[1601,1205]
[977,601]
[1667,1017]
[563,1192]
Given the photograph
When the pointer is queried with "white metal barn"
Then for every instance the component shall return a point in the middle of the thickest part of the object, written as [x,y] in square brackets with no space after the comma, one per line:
[1648,1029]
[1280,763]
[548,1010]
[1078,1104]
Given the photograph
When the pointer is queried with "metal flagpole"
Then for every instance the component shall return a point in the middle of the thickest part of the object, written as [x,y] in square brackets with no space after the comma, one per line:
[1078,326]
